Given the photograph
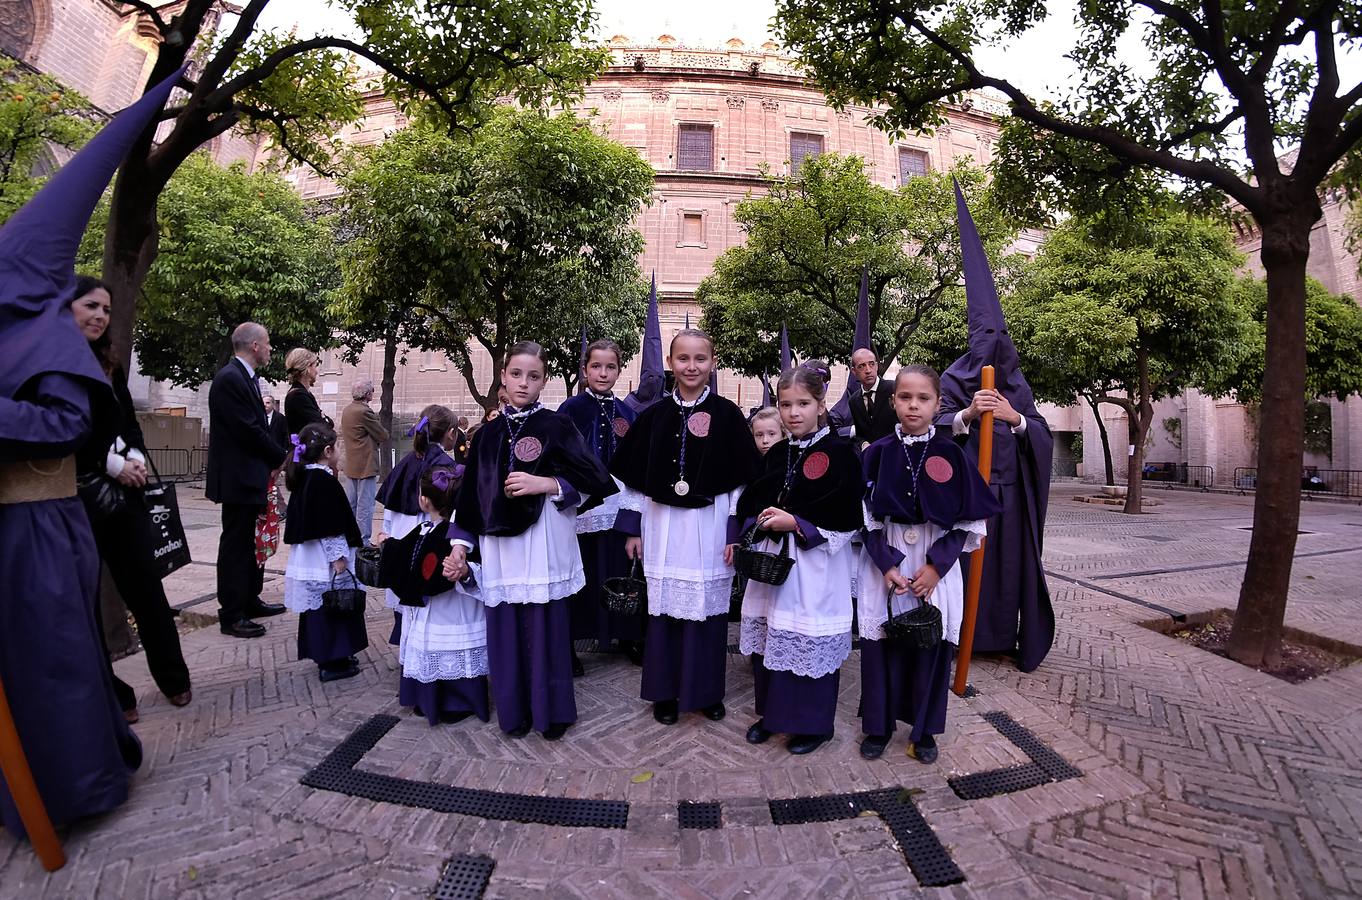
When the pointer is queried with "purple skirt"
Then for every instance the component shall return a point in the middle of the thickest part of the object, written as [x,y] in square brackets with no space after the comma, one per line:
[794,704]
[327,637]
[909,686]
[529,659]
[602,557]
[454,695]
[685,661]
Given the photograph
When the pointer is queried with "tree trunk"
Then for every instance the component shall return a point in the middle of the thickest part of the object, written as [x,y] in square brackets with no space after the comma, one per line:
[1257,634]
[1138,419]
[385,402]
[130,245]
[1106,439]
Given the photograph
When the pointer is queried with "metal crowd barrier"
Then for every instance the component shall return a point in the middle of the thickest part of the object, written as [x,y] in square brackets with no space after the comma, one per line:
[1180,473]
[1322,482]
[175,464]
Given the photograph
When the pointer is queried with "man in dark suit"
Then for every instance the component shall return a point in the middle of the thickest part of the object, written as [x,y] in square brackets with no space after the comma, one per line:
[241,456]
[275,421]
[872,406]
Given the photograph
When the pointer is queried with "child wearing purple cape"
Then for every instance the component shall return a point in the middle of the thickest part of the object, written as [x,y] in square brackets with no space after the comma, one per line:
[925,506]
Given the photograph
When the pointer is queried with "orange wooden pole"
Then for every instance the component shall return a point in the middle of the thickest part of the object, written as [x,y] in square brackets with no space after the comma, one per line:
[976,559]
[19,778]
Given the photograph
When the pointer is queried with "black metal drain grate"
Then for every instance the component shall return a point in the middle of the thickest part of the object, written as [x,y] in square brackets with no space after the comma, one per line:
[699,815]
[929,860]
[1046,765]
[464,878]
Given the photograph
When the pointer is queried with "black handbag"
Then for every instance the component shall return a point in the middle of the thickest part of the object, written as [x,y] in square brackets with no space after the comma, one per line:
[103,497]
[917,629]
[170,547]
[343,599]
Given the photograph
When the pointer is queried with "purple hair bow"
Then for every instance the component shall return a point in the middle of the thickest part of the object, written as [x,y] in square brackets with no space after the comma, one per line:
[297,448]
[444,477]
[411,432]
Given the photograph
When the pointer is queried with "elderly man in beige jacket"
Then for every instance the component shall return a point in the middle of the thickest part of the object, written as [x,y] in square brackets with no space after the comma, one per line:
[361,435]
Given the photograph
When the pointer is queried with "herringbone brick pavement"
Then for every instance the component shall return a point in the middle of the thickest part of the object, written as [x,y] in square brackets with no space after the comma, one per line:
[1200,778]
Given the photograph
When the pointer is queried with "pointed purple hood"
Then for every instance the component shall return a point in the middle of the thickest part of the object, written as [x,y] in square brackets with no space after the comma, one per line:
[651,377]
[38,247]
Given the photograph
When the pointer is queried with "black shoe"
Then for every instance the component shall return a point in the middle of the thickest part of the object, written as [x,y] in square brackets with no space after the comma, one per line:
[873,746]
[633,650]
[664,711]
[715,711]
[519,731]
[264,610]
[339,673]
[555,731]
[244,628]
[924,751]
[577,670]
[450,718]
[758,734]
[806,743]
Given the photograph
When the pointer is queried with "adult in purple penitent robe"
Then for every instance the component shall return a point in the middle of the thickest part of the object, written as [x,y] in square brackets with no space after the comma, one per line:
[72,731]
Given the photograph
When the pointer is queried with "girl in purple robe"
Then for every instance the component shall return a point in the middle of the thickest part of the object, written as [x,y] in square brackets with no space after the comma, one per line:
[528,473]
[432,437]
[602,420]
[323,535]
[925,506]
[799,633]
[443,649]
[682,465]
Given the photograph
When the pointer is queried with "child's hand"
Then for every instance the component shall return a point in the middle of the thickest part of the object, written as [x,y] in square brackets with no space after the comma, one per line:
[523,484]
[633,548]
[456,563]
[895,580]
[778,520]
[380,538]
[729,550]
[338,565]
[924,581]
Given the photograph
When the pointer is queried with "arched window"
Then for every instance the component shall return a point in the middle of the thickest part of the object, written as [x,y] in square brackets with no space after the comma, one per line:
[18,27]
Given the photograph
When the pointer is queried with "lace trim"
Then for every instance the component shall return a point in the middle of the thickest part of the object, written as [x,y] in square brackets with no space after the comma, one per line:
[336,548]
[444,665]
[497,594]
[836,540]
[915,438]
[684,599]
[631,499]
[786,651]
[302,596]
[975,530]
[871,523]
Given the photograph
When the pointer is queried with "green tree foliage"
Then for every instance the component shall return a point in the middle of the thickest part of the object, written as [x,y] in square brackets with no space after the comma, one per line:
[442,62]
[234,247]
[1221,83]
[807,240]
[523,232]
[1129,313]
[36,113]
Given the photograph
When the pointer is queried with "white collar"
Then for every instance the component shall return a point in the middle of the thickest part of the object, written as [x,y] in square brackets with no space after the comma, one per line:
[608,395]
[512,413]
[324,468]
[915,438]
[250,369]
[811,439]
[689,404]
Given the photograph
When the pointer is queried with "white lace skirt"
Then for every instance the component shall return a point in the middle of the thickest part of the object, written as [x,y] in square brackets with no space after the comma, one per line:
[949,595]
[601,518]
[544,563]
[804,625]
[398,525]
[308,575]
[446,639]
[683,559]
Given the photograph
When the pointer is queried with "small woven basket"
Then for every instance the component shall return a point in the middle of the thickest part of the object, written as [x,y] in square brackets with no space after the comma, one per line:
[758,565]
[916,629]
[343,599]
[367,568]
[625,595]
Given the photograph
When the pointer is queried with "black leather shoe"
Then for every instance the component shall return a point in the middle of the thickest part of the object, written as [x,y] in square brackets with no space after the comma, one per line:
[577,670]
[758,734]
[873,746]
[714,712]
[244,628]
[265,610]
[633,650]
[806,743]
[339,673]
[519,731]
[924,751]
[664,711]
[555,731]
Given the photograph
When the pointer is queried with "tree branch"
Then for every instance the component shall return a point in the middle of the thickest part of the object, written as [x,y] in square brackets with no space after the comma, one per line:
[150,12]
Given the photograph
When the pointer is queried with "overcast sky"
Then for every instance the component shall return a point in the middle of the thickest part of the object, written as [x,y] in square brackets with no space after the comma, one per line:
[711,22]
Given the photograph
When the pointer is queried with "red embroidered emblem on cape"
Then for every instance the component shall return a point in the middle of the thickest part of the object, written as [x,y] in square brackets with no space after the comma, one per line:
[528,449]
[699,424]
[939,470]
[816,466]
[621,427]
[428,564]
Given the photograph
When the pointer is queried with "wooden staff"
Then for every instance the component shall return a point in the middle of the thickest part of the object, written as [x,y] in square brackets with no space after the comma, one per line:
[976,559]
[19,778]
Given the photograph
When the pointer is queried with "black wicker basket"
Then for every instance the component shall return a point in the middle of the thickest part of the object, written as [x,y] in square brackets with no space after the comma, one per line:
[916,629]
[625,595]
[758,565]
[367,567]
[343,599]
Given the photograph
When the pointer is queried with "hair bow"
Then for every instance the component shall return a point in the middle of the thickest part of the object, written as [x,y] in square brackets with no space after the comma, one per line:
[444,477]
[425,420]
[297,448]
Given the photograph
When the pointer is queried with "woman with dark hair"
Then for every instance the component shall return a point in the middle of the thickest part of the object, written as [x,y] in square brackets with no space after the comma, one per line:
[123,532]
[300,407]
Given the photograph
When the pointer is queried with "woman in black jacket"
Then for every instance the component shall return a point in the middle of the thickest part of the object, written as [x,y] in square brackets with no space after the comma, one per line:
[124,537]
[300,407]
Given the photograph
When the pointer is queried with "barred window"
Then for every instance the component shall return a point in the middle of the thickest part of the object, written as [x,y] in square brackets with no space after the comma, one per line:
[802,146]
[912,164]
[695,148]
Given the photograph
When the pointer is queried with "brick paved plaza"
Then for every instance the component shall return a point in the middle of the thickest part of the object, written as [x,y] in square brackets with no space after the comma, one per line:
[1199,778]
